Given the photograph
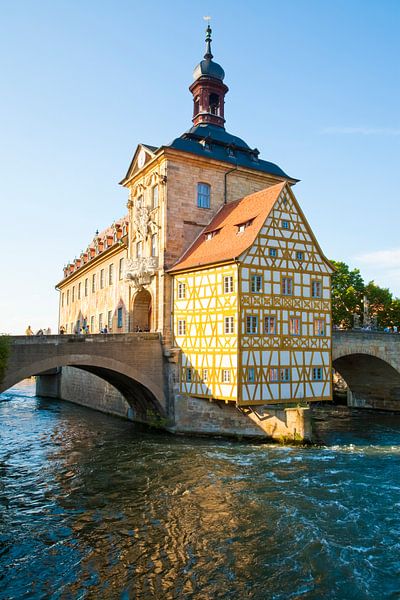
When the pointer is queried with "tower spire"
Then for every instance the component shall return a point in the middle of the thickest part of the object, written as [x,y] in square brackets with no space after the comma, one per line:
[208,55]
[208,88]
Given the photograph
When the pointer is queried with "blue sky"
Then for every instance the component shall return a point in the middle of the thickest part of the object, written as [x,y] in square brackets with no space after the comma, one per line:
[314,85]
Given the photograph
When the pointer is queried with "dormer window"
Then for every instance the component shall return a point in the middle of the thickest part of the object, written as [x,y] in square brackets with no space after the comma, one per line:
[242,226]
[210,234]
[231,152]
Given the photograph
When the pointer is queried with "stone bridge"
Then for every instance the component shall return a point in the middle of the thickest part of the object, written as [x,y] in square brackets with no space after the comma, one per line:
[132,363]
[369,362]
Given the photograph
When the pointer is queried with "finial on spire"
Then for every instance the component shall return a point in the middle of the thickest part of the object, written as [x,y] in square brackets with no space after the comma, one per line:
[208,55]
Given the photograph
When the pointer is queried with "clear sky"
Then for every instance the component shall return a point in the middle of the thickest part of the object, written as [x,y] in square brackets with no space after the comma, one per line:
[314,85]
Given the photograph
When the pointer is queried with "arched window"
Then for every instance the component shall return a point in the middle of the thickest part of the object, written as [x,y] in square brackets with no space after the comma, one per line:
[214,104]
[203,195]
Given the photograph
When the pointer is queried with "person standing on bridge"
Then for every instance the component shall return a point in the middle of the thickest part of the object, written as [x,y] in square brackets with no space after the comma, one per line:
[29,331]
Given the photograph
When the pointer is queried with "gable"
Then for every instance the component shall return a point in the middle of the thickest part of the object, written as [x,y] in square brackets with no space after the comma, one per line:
[298,237]
[143,154]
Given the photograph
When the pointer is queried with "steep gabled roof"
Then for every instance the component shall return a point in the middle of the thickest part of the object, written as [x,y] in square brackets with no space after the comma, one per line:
[225,240]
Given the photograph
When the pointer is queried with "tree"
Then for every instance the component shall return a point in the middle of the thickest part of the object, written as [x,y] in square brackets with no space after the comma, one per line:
[380,302]
[347,294]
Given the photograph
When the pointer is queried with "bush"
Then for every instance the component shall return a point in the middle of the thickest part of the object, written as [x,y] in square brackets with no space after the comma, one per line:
[4,353]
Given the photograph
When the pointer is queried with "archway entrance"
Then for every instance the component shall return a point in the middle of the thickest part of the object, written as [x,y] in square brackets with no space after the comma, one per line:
[141,311]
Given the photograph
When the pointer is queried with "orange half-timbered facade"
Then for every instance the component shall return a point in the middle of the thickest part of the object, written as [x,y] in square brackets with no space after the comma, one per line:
[252,308]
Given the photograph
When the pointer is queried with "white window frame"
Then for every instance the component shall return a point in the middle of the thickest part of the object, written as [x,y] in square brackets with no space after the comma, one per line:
[226,376]
[181,327]
[228,284]
[181,290]
[229,326]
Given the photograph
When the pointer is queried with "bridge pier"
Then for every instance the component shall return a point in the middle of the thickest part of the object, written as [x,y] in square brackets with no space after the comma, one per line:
[48,383]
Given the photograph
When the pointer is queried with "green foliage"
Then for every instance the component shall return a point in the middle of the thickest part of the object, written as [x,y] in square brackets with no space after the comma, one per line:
[348,291]
[4,353]
[347,294]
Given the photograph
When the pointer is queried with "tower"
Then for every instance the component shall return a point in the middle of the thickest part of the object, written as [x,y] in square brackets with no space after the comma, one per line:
[208,89]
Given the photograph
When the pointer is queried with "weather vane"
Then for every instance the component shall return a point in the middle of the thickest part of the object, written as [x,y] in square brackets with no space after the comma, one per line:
[207,18]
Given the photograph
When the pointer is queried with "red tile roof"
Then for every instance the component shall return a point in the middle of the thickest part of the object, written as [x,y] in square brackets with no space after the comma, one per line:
[228,243]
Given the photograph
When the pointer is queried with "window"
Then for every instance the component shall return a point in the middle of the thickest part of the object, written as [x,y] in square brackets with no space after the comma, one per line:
[241,227]
[294,326]
[251,324]
[78,326]
[285,224]
[119,318]
[110,274]
[79,290]
[228,284]
[181,291]
[205,375]
[72,328]
[189,375]
[316,289]
[319,327]
[121,268]
[287,286]
[181,327]
[86,286]
[62,300]
[226,376]
[67,297]
[256,283]
[109,320]
[93,283]
[101,279]
[91,324]
[100,321]
[273,375]
[317,373]
[73,293]
[299,255]
[269,325]
[251,375]
[284,374]
[228,325]
[139,249]
[154,244]
[272,252]
[203,195]
[154,199]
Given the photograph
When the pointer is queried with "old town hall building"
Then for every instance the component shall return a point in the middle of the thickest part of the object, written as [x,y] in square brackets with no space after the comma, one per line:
[217,256]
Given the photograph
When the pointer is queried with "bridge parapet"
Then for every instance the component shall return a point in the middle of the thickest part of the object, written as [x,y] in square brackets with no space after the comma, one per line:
[132,362]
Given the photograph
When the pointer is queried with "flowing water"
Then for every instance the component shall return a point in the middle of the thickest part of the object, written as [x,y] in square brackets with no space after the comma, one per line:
[95,507]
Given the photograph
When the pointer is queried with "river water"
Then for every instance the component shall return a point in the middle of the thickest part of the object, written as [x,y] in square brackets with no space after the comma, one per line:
[95,507]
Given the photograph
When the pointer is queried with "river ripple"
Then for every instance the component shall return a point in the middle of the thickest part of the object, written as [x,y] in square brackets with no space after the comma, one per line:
[95,507]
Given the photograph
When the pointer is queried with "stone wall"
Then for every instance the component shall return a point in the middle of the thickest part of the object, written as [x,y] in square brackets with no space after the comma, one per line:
[202,417]
[86,389]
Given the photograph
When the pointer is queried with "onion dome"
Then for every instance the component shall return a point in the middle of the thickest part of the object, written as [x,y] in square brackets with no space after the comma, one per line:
[207,67]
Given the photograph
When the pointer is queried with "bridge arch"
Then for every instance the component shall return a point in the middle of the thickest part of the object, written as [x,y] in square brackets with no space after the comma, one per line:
[141,387]
[373,382]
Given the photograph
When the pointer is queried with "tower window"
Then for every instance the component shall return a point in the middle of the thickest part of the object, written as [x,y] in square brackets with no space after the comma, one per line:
[203,195]
[214,104]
